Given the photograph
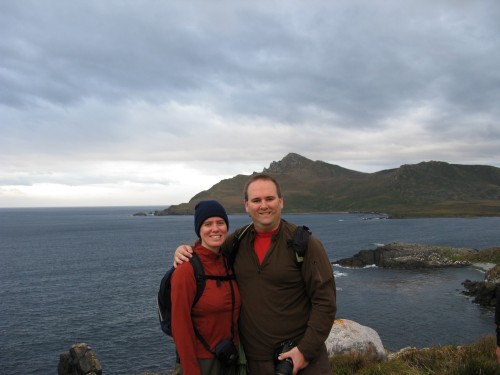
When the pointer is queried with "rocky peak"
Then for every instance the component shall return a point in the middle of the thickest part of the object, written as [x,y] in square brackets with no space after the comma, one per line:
[290,162]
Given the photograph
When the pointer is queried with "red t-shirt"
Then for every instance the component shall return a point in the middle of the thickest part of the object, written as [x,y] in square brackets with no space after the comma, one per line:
[262,244]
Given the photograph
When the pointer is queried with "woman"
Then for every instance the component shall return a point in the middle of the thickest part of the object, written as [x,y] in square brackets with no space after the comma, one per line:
[215,315]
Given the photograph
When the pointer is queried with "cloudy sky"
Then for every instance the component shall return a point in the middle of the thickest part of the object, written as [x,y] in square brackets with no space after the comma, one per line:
[123,102]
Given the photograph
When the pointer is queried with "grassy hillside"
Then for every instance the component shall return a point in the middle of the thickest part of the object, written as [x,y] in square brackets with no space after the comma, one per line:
[425,189]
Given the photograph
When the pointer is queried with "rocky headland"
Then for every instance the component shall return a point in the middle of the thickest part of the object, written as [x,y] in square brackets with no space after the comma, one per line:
[409,256]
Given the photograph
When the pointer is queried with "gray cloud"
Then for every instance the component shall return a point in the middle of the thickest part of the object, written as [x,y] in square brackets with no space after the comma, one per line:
[176,83]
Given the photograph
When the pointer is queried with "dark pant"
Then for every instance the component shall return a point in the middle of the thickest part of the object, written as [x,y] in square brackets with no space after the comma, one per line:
[319,366]
[207,367]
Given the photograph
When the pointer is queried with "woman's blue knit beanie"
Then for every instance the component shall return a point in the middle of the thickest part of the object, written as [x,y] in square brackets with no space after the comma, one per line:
[206,209]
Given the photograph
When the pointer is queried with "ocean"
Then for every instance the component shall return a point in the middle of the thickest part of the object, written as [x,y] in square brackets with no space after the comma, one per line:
[72,275]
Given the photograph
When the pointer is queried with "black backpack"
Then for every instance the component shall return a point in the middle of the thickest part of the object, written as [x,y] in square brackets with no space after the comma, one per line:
[163,302]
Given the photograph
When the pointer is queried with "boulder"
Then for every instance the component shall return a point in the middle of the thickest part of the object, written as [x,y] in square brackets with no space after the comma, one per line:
[80,360]
[347,336]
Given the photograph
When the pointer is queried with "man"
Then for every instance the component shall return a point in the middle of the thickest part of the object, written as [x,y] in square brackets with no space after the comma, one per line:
[282,300]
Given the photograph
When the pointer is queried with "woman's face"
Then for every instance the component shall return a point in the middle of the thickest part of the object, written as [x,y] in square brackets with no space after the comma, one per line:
[213,233]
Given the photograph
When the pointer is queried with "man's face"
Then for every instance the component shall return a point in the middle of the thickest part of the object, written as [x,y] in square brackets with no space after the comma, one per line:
[263,205]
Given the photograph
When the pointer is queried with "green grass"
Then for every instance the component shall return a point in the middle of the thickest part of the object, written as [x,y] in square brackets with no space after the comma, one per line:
[491,255]
[452,254]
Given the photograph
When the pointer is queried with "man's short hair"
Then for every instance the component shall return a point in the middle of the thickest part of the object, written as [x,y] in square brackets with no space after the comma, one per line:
[265,177]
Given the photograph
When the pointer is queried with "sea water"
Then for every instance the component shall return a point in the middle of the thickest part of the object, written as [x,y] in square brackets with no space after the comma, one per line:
[71,275]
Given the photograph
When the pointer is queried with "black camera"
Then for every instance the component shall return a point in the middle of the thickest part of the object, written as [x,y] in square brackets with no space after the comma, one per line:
[285,366]
[226,352]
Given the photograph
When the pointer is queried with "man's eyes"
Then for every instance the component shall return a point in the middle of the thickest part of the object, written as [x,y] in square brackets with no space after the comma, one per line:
[270,199]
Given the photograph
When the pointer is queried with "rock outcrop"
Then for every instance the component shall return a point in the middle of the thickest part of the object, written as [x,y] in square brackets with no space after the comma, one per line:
[80,360]
[347,336]
[408,256]
[484,292]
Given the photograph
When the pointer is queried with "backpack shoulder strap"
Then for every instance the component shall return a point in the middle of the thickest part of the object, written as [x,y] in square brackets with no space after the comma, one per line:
[199,275]
[238,235]
[300,241]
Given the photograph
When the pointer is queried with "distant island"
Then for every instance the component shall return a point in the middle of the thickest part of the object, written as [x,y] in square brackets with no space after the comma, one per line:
[426,189]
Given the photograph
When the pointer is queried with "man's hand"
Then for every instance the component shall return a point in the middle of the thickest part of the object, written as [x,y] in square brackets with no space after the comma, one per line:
[299,362]
[182,254]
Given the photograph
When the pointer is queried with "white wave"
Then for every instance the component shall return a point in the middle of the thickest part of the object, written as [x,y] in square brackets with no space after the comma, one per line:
[339,266]
[351,268]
